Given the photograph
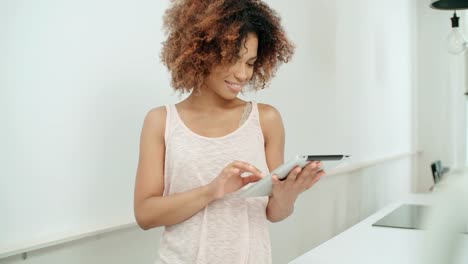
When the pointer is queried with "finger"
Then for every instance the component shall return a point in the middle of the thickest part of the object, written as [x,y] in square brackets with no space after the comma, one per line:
[275,180]
[230,172]
[293,174]
[316,166]
[319,164]
[316,174]
[314,179]
[307,171]
[251,178]
[246,167]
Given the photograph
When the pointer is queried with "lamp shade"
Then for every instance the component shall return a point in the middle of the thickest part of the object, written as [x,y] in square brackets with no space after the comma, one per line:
[449,4]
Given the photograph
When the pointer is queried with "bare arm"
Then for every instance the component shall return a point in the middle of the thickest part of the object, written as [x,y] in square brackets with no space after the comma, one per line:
[273,131]
[151,208]
[284,193]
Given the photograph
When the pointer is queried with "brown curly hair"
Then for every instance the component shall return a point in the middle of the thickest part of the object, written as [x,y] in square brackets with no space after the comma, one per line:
[207,33]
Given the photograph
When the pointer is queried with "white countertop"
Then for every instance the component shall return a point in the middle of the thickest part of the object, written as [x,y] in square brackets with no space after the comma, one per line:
[364,243]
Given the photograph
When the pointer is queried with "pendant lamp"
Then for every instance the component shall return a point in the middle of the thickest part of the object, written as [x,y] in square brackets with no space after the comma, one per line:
[449,4]
[456,42]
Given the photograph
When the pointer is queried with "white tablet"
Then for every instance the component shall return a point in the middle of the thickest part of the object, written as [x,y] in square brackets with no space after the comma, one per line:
[264,186]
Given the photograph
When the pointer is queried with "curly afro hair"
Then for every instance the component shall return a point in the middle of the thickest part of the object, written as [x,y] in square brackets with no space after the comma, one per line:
[207,33]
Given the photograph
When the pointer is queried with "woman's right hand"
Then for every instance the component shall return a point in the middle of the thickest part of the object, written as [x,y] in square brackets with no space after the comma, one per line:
[230,180]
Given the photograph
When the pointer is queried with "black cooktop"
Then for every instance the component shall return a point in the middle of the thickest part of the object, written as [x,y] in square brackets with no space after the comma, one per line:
[408,216]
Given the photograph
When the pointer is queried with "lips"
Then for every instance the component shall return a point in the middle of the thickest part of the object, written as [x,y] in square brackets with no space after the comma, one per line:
[235,87]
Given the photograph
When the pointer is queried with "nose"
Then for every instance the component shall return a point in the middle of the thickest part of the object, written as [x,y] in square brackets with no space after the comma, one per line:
[241,72]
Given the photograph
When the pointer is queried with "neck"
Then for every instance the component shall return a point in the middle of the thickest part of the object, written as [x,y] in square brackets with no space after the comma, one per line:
[207,100]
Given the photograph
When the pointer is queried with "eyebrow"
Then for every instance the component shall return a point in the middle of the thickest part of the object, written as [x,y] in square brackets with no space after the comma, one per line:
[253,58]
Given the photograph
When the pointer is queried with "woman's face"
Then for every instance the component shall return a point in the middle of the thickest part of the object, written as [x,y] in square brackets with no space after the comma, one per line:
[228,81]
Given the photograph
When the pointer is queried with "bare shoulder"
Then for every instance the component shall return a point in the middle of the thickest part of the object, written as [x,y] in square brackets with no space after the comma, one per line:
[268,114]
[156,114]
[271,122]
[155,120]
[273,135]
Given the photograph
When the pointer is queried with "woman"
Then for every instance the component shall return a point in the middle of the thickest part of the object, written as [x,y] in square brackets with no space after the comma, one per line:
[196,154]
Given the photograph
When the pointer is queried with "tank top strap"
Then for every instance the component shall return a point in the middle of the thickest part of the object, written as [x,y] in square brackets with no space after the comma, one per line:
[170,121]
[255,114]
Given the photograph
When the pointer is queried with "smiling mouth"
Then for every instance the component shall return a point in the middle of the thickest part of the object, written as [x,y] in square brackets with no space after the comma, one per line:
[235,87]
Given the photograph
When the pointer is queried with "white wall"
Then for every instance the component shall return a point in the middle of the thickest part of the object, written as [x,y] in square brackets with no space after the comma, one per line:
[335,204]
[440,119]
[353,70]
[76,80]
[128,246]
[349,88]
[359,57]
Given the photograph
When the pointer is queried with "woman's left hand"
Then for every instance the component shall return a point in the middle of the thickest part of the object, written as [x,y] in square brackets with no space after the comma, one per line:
[286,192]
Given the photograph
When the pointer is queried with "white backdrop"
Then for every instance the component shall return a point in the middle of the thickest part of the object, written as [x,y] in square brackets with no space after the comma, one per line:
[440,105]
[77,78]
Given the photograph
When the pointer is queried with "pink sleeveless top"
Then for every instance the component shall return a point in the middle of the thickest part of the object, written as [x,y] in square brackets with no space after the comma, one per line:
[229,230]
